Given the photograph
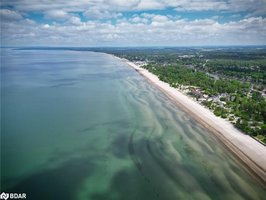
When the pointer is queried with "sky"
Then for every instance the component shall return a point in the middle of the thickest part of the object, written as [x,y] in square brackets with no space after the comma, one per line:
[87,23]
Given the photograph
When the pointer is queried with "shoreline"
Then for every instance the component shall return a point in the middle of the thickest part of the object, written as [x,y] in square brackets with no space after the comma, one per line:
[249,151]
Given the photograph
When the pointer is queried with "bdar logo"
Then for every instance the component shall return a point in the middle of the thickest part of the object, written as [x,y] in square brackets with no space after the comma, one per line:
[4,196]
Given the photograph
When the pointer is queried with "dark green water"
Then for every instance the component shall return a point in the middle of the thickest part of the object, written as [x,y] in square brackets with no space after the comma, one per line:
[84,125]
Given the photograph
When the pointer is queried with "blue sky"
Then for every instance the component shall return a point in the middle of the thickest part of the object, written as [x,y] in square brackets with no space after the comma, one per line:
[132,22]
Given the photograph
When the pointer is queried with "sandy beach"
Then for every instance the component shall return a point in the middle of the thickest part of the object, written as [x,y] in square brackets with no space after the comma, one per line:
[247,150]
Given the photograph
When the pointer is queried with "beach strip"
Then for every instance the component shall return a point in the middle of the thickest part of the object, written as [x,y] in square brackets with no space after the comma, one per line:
[246,149]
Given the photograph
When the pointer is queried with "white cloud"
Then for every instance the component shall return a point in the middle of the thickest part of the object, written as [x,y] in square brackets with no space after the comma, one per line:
[256,7]
[122,4]
[46,5]
[198,5]
[46,26]
[57,15]
[10,15]
[151,5]
[99,13]
[141,30]
[105,9]
[160,18]
[144,28]
[138,19]
[147,15]
[75,21]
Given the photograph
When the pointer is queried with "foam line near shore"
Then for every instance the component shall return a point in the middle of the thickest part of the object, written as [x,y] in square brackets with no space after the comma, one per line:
[248,150]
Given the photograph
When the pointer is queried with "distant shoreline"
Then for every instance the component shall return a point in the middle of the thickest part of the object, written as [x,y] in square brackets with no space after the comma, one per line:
[249,151]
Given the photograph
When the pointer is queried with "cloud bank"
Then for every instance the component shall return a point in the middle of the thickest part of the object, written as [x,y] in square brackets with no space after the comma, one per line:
[133,22]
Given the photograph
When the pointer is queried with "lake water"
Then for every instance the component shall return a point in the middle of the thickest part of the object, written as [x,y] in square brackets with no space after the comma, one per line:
[84,125]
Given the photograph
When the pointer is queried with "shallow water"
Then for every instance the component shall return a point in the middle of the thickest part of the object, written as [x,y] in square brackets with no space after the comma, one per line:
[84,125]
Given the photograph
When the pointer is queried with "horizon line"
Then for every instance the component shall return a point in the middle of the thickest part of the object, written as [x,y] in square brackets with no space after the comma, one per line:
[151,46]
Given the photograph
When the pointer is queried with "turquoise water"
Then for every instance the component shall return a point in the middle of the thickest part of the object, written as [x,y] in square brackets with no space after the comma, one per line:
[84,125]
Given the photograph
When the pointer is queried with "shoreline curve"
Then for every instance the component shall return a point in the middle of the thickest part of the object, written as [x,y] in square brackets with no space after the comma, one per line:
[247,150]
